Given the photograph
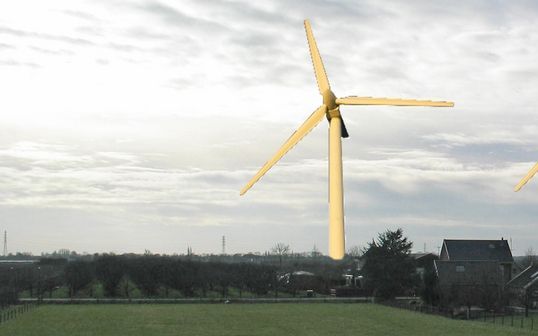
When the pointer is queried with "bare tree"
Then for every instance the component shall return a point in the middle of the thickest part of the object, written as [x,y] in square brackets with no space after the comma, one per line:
[355,251]
[280,249]
[530,257]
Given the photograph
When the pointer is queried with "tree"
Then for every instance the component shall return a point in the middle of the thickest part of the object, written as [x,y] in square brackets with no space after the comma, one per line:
[429,290]
[185,276]
[110,269]
[389,269]
[354,251]
[146,272]
[78,274]
[530,257]
[280,249]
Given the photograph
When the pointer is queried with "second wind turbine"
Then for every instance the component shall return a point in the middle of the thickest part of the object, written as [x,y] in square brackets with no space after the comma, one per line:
[337,129]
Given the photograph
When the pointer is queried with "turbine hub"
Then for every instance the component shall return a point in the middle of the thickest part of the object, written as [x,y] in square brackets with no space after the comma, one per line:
[329,99]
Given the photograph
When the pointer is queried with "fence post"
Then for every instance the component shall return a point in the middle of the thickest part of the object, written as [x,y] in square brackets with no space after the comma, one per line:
[522,321]
[532,323]
[512,324]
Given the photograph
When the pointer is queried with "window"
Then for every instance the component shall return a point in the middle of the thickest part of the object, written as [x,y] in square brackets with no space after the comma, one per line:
[460,268]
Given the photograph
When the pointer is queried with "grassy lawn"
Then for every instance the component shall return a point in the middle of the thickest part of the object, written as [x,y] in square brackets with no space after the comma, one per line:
[241,319]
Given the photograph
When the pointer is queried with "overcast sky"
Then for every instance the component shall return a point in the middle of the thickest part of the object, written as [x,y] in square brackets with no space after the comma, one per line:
[132,125]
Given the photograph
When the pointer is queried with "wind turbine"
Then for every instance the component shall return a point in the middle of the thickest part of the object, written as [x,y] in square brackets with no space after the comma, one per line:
[526,179]
[337,129]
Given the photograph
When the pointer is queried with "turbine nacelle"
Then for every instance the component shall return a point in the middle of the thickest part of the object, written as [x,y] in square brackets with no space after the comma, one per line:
[329,99]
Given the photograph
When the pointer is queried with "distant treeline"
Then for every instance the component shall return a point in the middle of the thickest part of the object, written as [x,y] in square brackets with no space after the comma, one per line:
[157,276]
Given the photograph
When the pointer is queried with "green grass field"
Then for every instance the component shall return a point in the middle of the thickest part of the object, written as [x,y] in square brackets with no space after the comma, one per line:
[241,319]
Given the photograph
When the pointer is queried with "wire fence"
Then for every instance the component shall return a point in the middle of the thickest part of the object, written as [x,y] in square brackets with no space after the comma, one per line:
[509,318]
[422,308]
[12,312]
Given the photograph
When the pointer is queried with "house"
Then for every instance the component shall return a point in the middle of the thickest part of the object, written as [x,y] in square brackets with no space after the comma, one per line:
[524,288]
[473,271]
[424,262]
[480,250]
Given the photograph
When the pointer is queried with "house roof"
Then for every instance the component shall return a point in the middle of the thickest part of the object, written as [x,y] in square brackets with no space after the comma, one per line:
[478,250]
[420,255]
[526,278]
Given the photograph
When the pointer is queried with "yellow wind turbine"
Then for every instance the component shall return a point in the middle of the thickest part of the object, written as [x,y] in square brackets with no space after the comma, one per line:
[526,179]
[337,129]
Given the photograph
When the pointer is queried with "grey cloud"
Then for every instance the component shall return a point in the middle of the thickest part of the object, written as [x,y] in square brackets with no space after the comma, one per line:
[461,139]
[52,52]
[147,33]
[91,30]
[61,38]
[125,47]
[6,46]
[246,14]
[174,17]
[82,15]
[17,63]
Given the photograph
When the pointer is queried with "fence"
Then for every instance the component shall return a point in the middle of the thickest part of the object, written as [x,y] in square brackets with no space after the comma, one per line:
[11,312]
[510,319]
[421,308]
[196,300]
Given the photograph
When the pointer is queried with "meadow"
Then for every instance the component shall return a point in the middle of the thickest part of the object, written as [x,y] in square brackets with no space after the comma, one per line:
[241,319]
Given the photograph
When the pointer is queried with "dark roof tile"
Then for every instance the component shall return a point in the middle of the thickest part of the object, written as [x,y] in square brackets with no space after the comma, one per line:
[487,250]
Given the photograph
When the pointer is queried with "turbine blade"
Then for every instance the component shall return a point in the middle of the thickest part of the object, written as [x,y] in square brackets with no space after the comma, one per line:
[526,179]
[303,130]
[353,100]
[319,69]
[345,134]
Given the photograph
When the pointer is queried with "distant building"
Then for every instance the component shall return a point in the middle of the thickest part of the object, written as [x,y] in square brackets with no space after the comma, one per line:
[473,270]
[524,288]
[424,262]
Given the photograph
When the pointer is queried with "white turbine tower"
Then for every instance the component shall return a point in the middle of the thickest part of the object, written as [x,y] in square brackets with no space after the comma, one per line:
[337,129]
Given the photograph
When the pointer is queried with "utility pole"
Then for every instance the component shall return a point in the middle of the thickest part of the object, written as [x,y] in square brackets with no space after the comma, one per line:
[5,243]
[223,245]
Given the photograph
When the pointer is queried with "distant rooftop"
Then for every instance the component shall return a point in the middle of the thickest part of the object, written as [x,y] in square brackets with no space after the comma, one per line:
[485,250]
[28,261]
[526,278]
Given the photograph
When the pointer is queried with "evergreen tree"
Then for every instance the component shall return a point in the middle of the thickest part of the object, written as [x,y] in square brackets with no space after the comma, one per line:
[389,269]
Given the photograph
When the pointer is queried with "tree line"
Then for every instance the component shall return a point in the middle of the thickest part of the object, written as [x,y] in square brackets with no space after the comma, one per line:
[155,276]
[385,268]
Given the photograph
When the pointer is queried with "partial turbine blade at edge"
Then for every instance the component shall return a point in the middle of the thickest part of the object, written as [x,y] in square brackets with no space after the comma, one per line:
[526,179]
[353,100]
[319,69]
[303,130]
